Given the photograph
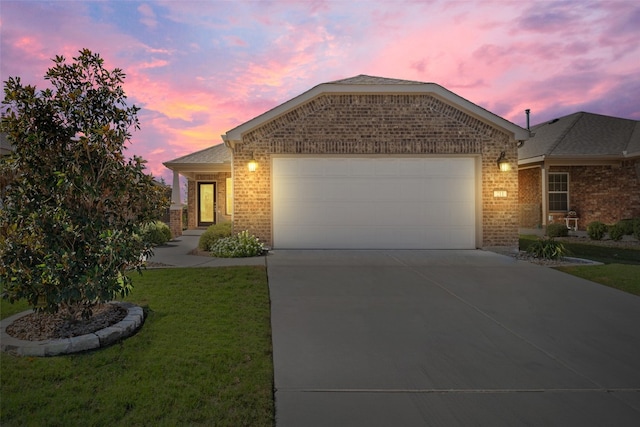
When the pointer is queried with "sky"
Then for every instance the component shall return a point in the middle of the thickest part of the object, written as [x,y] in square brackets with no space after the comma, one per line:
[198,69]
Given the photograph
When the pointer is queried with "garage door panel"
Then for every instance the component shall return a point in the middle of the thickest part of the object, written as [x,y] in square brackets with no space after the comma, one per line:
[361,167]
[316,167]
[395,203]
[459,189]
[462,213]
[336,167]
[386,168]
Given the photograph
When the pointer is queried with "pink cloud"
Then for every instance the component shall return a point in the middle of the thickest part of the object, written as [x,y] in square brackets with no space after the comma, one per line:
[199,69]
[148,17]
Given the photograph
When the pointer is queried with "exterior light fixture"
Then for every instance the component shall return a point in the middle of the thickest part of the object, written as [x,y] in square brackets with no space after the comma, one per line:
[503,163]
[252,165]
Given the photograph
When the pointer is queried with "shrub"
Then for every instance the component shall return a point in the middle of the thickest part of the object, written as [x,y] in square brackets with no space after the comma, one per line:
[213,234]
[547,249]
[557,230]
[239,246]
[636,228]
[155,233]
[616,231]
[74,204]
[627,226]
[596,230]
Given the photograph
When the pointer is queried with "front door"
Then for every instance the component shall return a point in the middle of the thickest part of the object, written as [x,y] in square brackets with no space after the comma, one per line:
[206,203]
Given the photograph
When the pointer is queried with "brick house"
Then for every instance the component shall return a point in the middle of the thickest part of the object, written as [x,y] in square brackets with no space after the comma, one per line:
[5,146]
[370,162]
[583,162]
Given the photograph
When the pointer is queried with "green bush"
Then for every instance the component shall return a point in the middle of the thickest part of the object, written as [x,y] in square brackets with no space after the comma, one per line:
[557,230]
[239,246]
[213,234]
[616,231]
[155,233]
[627,226]
[636,228]
[547,249]
[72,201]
[596,230]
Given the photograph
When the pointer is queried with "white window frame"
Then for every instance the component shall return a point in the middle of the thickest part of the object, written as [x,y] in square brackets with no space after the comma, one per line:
[549,191]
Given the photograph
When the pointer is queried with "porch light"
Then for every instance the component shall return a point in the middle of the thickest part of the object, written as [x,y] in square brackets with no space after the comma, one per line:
[503,163]
[252,165]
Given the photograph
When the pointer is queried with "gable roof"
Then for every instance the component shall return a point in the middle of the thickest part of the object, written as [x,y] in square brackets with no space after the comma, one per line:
[582,136]
[216,155]
[364,84]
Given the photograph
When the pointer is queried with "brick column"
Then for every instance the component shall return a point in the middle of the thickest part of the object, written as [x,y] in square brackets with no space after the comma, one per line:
[175,221]
[175,211]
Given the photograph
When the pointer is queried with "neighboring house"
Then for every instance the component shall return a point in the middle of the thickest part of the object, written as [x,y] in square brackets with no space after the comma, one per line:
[5,146]
[583,162]
[365,162]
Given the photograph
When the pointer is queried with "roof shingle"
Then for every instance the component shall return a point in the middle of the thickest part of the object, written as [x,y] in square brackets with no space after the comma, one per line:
[583,135]
[217,154]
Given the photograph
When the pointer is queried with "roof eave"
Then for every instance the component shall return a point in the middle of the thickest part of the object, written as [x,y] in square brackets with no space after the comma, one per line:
[198,167]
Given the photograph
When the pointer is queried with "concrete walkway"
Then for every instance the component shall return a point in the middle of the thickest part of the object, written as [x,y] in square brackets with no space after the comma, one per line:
[448,338]
[177,254]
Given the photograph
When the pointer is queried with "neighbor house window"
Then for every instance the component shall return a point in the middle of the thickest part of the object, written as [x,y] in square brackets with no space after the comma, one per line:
[559,192]
[229,201]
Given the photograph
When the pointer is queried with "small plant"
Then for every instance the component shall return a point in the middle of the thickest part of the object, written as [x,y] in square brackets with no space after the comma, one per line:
[547,249]
[557,230]
[213,234]
[596,230]
[616,231]
[155,233]
[627,226]
[241,245]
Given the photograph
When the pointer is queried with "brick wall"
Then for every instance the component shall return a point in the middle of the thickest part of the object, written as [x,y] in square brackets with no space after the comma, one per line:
[604,193]
[175,222]
[377,125]
[530,197]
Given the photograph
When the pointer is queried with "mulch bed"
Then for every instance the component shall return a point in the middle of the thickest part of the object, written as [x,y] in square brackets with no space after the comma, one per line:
[45,326]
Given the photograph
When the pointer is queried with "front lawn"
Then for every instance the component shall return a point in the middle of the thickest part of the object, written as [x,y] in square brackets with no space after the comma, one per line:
[203,357]
[621,269]
[625,277]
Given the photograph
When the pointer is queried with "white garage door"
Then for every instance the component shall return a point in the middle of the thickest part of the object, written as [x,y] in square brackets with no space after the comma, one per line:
[374,203]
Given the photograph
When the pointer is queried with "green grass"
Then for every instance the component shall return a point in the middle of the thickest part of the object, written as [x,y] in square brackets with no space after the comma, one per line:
[203,357]
[621,269]
[625,277]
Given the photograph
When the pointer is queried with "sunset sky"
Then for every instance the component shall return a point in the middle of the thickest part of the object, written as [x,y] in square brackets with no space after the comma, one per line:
[200,68]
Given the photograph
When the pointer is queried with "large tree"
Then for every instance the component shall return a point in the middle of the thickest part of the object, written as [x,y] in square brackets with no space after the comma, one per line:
[72,203]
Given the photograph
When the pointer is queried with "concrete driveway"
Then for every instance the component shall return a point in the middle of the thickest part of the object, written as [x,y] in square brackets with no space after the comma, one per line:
[448,338]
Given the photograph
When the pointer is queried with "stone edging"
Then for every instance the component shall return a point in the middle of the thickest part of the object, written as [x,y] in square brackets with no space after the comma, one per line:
[101,338]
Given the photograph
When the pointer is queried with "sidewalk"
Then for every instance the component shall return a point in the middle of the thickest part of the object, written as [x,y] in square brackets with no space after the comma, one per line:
[176,254]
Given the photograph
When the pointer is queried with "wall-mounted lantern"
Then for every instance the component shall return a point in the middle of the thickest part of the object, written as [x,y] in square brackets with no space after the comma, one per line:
[252,165]
[503,163]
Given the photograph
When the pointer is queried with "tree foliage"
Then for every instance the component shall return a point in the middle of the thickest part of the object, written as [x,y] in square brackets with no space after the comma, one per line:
[72,203]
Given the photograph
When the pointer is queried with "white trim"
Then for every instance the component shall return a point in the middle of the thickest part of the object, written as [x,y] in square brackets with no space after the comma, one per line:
[559,192]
